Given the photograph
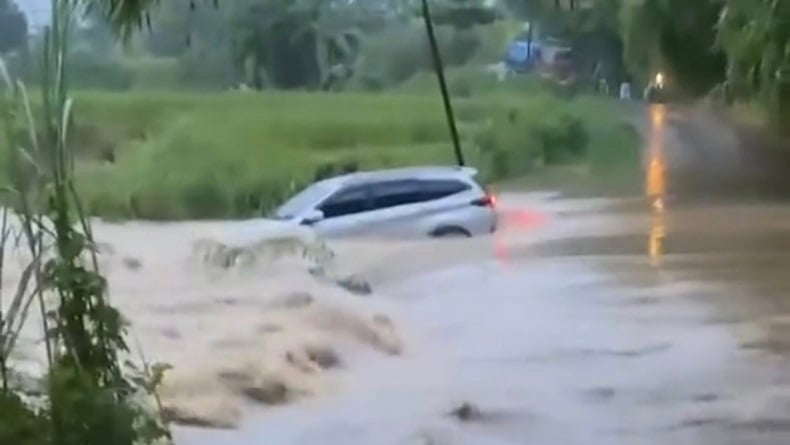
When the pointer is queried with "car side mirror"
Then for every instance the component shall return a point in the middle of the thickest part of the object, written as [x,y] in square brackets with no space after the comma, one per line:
[311,217]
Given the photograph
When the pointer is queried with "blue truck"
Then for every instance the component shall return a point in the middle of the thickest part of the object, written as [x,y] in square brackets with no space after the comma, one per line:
[549,58]
[523,55]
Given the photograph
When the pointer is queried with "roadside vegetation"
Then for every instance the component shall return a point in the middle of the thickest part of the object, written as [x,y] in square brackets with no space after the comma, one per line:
[90,390]
[178,155]
[160,134]
[733,52]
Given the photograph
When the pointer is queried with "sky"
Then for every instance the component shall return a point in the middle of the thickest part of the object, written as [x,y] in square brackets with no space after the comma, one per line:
[37,11]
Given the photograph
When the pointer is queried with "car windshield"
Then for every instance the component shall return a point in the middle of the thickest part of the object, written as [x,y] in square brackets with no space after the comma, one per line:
[306,198]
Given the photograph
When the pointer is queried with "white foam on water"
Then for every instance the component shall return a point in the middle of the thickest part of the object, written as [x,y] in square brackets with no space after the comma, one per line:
[268,333]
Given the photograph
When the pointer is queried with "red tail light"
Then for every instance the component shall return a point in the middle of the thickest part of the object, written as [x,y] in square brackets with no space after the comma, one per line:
[488,200]
[491,199]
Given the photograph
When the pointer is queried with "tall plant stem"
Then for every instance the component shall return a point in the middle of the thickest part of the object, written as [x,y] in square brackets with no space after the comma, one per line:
[3,238]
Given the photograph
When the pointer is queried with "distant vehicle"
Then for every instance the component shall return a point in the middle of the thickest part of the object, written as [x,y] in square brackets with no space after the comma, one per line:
[549,58]
[656,91]
[408,202]
[522,56]
[561,66]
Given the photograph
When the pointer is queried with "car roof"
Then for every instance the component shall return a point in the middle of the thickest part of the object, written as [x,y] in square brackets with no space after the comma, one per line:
[422,172]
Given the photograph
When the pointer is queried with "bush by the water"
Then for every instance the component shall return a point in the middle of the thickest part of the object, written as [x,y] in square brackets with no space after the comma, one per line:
[179,155]
[397,53]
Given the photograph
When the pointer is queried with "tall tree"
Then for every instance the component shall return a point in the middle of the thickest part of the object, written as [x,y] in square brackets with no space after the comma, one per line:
[755,36]
[592,28]
[678,36]
[296,43]
[13,27]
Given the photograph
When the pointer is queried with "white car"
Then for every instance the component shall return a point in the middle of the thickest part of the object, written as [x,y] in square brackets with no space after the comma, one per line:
[407,202]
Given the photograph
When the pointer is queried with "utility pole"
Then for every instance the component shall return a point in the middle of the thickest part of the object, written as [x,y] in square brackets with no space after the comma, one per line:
[439,69]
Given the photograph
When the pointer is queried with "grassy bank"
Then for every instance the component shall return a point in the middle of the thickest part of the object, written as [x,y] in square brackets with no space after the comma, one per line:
[180,155]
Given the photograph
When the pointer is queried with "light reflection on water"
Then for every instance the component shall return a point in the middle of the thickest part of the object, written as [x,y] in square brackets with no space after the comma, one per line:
[655,183]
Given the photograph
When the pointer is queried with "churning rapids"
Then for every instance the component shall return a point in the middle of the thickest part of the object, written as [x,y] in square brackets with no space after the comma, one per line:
[239,325]
[662,319]
[581,321]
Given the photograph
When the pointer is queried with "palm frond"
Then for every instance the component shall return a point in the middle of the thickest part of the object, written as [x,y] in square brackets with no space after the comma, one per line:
[125,16]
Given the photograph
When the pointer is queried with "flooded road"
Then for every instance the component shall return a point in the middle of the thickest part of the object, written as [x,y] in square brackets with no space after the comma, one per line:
[564,333]
[663,318]
[659,318]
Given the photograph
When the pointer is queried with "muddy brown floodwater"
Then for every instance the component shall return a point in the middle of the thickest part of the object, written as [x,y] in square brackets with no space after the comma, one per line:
[659,318]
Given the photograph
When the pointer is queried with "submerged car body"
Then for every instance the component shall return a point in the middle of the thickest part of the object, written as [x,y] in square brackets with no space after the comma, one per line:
[408,202]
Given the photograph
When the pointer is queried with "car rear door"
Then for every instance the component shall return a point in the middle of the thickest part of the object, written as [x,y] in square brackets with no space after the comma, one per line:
[399,205]
[445,201]
[438,193]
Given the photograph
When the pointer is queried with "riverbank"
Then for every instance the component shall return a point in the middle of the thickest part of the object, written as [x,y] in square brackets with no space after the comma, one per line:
[171,156]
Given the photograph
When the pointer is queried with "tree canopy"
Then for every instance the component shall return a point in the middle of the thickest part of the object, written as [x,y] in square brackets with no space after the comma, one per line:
[13,27]
[741,45]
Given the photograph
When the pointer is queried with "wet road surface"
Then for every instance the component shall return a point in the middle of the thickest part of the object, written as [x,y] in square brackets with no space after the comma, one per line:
[659,319]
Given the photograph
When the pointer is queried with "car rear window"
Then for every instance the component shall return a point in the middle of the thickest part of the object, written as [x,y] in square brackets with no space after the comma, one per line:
[396,193]
[403,192]
[441,188]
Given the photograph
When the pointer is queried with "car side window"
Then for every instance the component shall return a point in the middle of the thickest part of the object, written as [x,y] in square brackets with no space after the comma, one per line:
[347,202]
[442,188]
[396,193]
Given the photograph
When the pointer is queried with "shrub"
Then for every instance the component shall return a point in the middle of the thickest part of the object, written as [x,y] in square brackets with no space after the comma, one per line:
[180,155]
[239,153]
[88,71]
[508,146]
[367,82]
[493,40]
[207,69]
[205,198]
[397,53]
[563,139]
[153,73]
[471,81]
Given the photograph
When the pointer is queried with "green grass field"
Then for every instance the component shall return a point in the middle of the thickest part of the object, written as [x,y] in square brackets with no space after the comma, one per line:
[181,155]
